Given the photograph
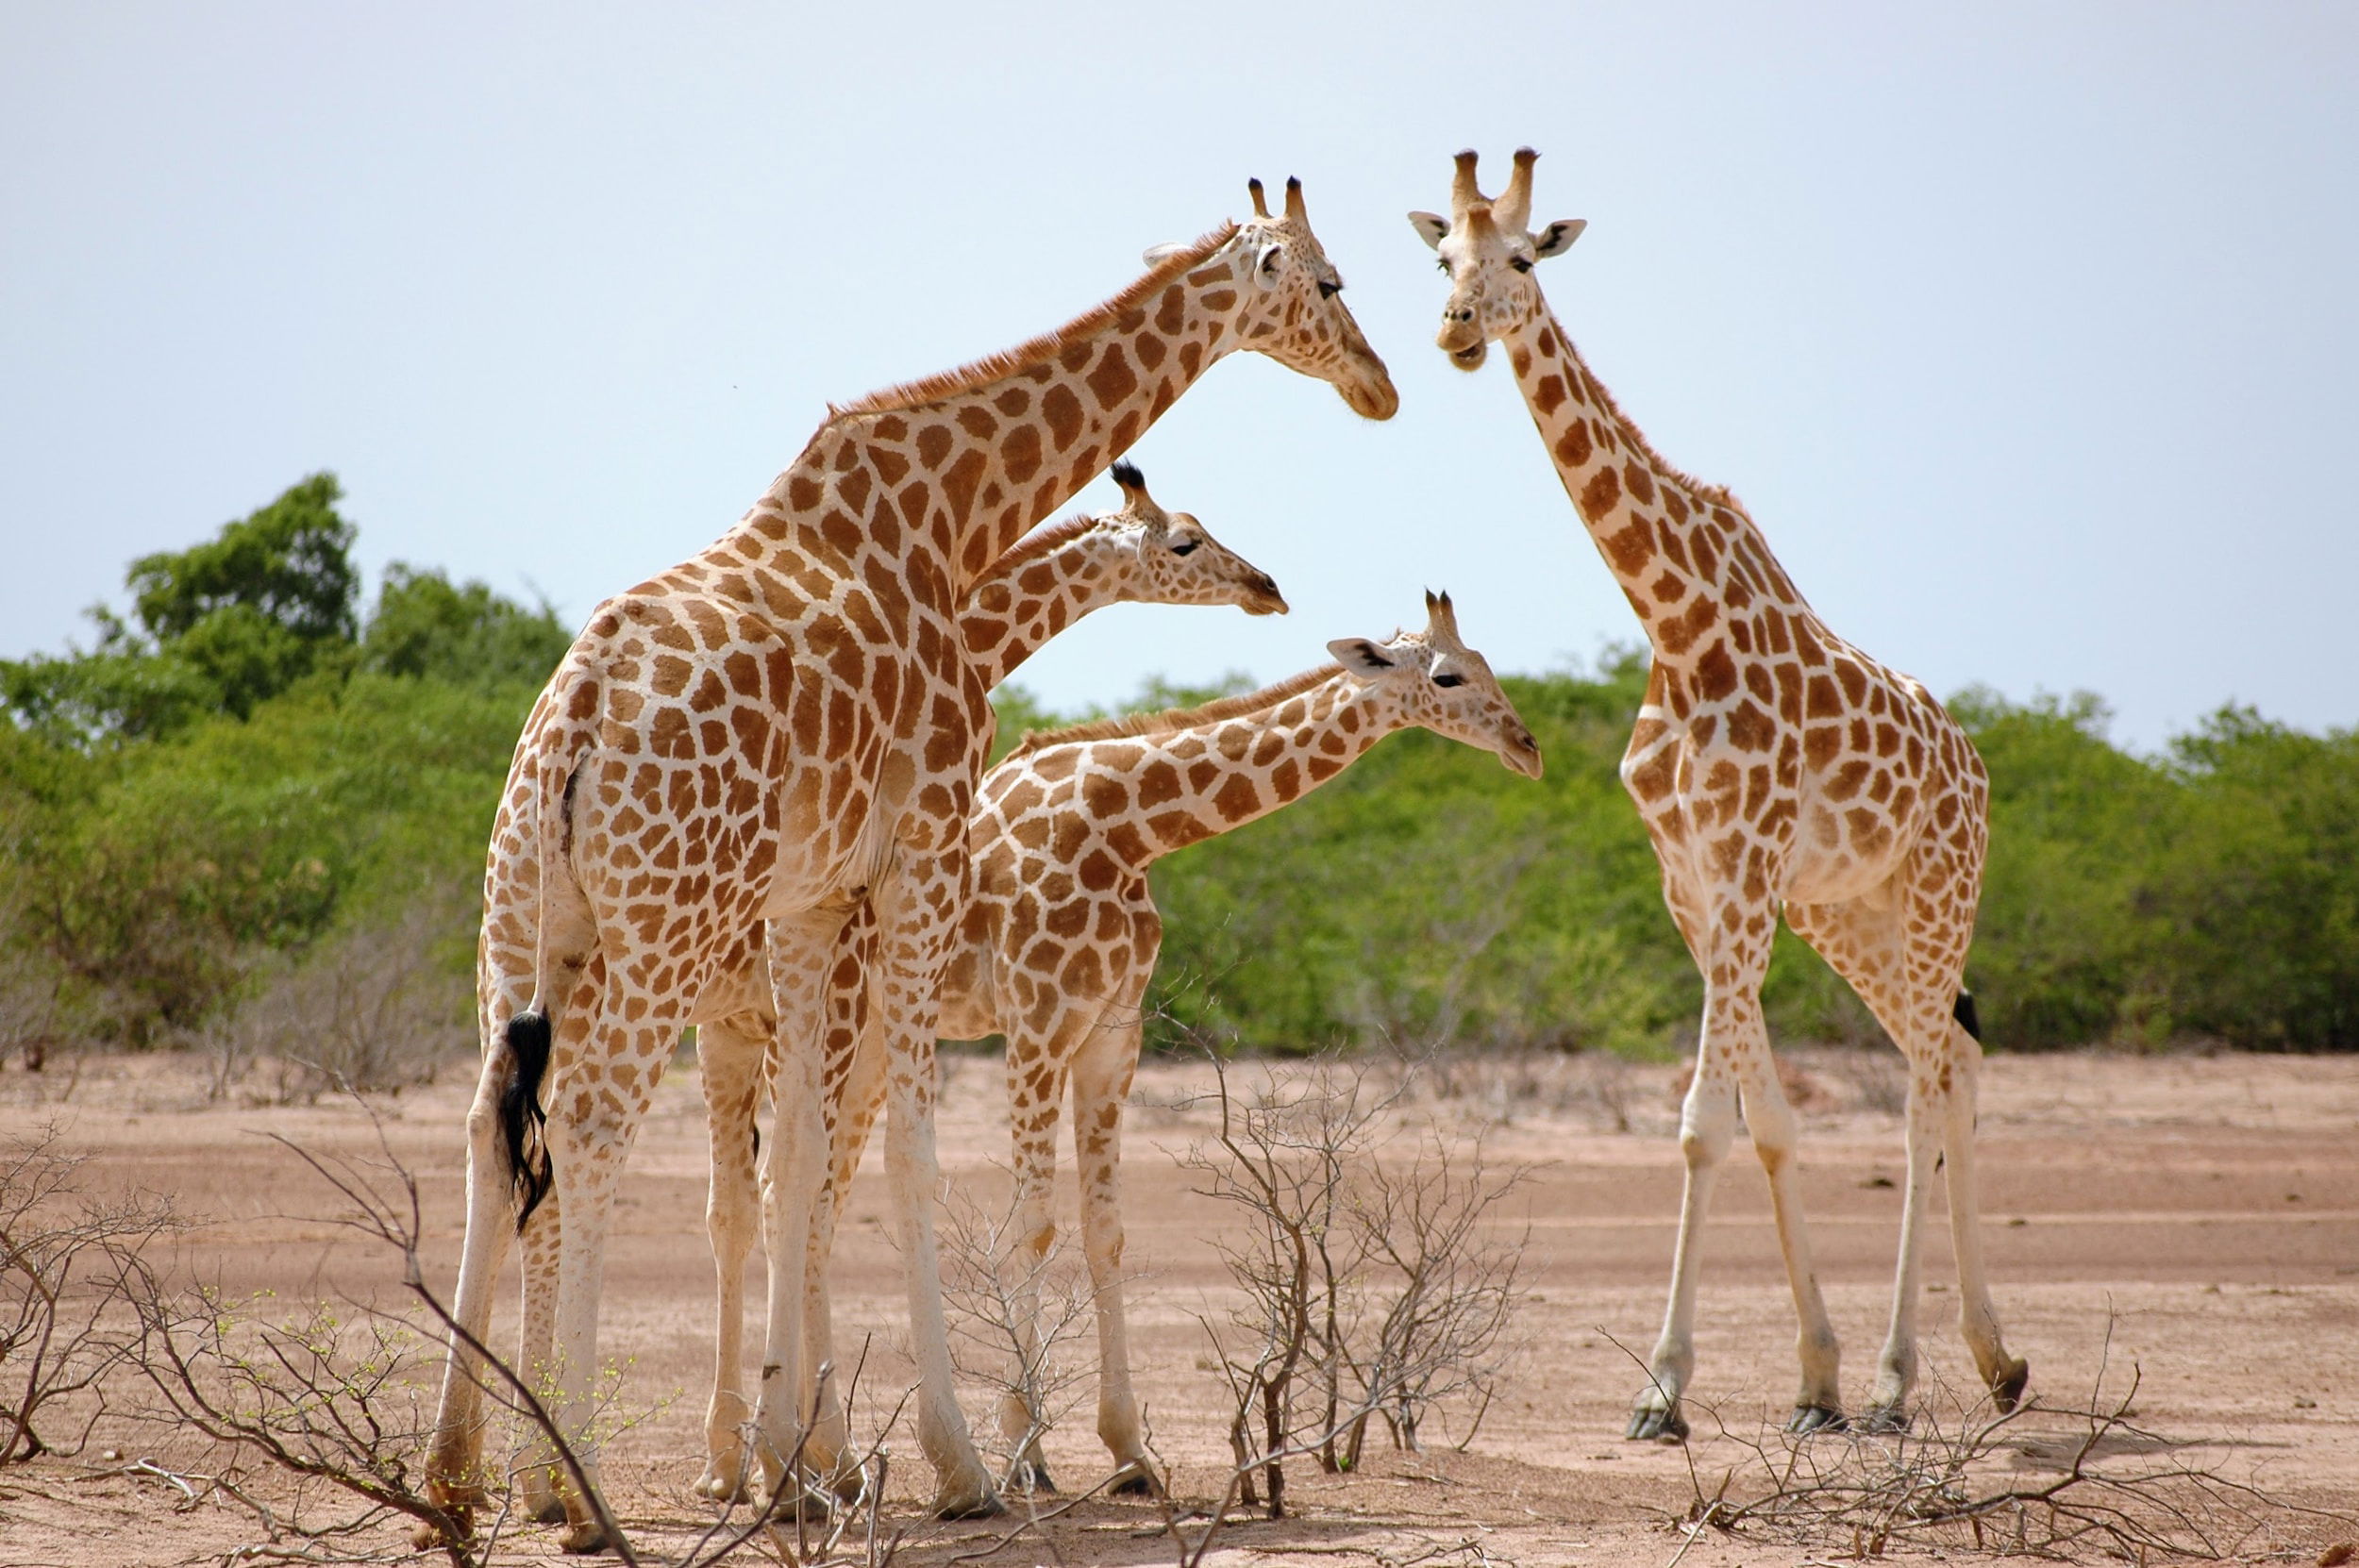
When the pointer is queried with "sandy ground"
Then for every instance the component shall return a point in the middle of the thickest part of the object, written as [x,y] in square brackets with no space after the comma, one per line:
[2200,1213]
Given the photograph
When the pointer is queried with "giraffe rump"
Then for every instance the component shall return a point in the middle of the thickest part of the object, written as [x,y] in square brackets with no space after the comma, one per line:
[524,1140]
[1166,720]
[995,367]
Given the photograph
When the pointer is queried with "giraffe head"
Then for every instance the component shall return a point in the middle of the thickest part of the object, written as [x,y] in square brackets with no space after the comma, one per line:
[1488,251]
[1442,685]
[1289,305]
[1177,562]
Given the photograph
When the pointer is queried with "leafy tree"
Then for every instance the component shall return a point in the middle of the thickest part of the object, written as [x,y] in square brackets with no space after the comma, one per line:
[221,627]
[290,563]
[426,627]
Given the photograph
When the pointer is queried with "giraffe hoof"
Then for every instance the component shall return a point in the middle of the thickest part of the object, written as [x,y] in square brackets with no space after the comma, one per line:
[720,1487]
[583,1540]
[434,1538]
[1136,1480]
[985,1505]
[547,1509]
[1891,1418]
[2006,1390]
[1652,1423]
[1807,1419]
[1030,1476]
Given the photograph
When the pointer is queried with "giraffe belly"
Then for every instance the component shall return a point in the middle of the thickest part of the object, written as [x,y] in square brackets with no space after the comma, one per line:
[1836,860]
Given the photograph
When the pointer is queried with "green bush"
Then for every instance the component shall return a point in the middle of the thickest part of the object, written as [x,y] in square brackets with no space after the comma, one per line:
[246,780]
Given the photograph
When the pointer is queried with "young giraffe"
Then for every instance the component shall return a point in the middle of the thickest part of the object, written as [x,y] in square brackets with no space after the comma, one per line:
[775,738]
[1061,939]
[1775,766]
[1056,575]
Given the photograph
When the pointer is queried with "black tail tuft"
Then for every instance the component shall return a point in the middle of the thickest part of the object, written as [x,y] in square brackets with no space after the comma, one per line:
[523,1124]
[1963,1010]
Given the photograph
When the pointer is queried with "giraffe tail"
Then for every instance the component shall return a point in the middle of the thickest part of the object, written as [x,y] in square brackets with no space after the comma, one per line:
[531,1035]
[1963,1010]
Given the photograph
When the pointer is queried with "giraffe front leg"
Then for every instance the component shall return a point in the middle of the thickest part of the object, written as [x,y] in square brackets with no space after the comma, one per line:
[1101,1082]
[929,898]
[800,950]
[1035,1085]
[1768,1117]
[1896,1368]
[1707,1129]
[844,1096]
[1729,940]
[730,1056]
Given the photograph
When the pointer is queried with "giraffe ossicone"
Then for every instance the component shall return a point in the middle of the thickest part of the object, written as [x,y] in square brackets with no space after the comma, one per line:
[773,741]
[1777,769]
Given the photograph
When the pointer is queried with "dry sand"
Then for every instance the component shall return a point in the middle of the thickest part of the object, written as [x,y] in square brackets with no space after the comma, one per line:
[2202,1211]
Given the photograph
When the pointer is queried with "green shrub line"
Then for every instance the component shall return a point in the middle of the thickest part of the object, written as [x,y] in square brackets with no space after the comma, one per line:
[248,770]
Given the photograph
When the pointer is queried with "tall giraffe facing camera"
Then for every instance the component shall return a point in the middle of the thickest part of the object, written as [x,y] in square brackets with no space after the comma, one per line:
[1777,767]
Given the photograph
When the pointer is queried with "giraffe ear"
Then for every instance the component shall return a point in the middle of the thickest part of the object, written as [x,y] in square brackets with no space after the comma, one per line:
[1157,255]
[1431,227]
[1360,656]
[1266,265]
[1557,238]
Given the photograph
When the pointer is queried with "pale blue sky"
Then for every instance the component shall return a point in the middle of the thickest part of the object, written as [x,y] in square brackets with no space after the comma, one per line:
[2027,331]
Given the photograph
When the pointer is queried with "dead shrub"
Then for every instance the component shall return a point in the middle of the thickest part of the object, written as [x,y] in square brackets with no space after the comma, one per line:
[374,1008]
[71,1266]
[2097,1485]
[1370,1291]
[1010,1316]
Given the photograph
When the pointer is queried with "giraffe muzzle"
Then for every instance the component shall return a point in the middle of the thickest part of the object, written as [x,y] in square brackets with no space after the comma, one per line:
[1461,338]
[1521,754]
[1262,598]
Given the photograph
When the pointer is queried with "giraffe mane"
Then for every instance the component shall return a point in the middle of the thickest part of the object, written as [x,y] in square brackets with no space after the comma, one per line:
[1169,720]
[1042,540]
[1703,490]
[998,367]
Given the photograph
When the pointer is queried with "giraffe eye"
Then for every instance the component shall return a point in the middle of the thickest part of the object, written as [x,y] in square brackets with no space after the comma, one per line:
[1442,262]
[1446,679]
[1521,263]
[1185,547]
[1329,291]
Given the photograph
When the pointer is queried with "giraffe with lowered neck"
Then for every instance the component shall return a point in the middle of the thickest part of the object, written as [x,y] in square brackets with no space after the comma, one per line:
[1777,769]
[1061,937]
[772,742]
[1054,577]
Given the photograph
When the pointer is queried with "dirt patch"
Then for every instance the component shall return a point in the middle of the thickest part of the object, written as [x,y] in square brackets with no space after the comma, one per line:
[2202,1212]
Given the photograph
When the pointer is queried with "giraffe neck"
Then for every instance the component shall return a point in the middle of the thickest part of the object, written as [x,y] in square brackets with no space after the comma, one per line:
[1011,613]
[953,471]
[1688,556]
[1188,785]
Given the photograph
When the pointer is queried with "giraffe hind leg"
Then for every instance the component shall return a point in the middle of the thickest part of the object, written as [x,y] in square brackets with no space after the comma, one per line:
[1936,1025]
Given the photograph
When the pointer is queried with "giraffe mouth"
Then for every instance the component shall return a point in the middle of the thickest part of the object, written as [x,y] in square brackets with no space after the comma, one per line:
[1470,357]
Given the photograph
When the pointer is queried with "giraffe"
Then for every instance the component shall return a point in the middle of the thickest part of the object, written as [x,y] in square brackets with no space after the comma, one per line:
[1053,578]
[771,743]
[1777,767]
[1061,937]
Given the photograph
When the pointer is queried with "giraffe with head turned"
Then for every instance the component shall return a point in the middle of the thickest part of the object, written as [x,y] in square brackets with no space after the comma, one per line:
[1055,576]
[775,737]
[1777,769]
[1062,935]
